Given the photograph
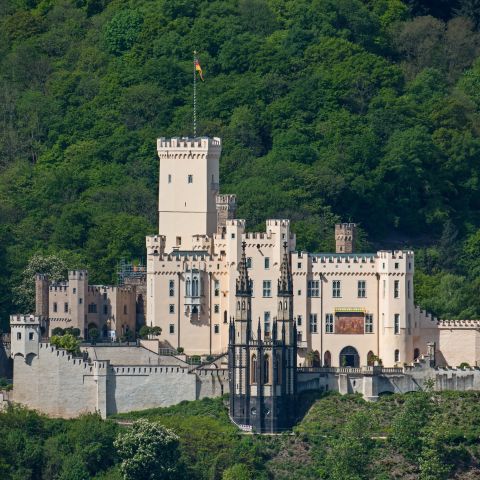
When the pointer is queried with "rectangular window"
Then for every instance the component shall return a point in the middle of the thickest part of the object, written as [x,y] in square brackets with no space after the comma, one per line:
[396,324]
[299,265]
[249,262]
[362,289]
[384,288]
[396,288]
[336,292]
[178,241]
[171,328]
[171,288]
[329,323]
[216,328]
[19,335]
[105,309]
[266,263]
[171,308]
[65,307]
[368,323]
[266,323]
[267,288]
[299,320]
[30,335]
[74,290]
[397,356]
[313,288]
[313,323]
[54,306]
[169,178]
[92,308]
[217,288]
[80,300]
[124,309]
[233,235]
[408,288]
[216,308]
[409,324]
[190,179]
[396,266]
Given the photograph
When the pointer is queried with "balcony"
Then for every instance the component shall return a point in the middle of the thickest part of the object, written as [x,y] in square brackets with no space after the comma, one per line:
[302,344]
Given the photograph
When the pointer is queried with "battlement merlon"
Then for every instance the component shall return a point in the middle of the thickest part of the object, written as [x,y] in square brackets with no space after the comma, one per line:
[155,244]
[22,319]
[184,144]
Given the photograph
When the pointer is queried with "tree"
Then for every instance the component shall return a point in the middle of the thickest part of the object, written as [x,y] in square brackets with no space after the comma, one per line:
[24,293]
[68,342]
[93,334]
[237,472]
[148,450]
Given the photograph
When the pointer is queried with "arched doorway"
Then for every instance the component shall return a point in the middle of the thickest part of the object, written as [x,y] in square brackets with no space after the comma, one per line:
[327,359]
[349,357]
[316,359]
[416,353]
[370,358]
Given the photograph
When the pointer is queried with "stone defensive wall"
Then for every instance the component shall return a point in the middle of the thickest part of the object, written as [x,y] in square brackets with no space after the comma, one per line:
[60,385]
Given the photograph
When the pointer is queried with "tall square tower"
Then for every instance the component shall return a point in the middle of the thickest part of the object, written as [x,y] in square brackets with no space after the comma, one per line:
[188,185]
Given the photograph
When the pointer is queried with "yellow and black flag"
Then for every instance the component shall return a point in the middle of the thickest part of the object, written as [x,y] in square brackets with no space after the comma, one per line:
[198,68]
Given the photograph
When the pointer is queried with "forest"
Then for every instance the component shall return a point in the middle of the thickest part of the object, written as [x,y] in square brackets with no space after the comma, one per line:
[352,110]
[417,436]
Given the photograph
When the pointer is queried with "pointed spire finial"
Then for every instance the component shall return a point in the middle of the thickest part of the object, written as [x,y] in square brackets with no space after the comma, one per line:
[285,282]
[244,286]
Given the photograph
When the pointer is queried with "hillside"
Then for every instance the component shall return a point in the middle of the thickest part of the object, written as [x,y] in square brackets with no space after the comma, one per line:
[364,110]
[416,436]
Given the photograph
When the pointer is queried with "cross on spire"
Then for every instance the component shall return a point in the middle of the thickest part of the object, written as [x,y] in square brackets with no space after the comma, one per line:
[285,282]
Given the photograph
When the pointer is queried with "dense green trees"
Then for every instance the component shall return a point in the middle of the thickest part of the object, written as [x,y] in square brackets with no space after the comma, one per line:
[364,110]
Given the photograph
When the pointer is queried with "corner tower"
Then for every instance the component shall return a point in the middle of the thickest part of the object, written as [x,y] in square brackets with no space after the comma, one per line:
[188,185]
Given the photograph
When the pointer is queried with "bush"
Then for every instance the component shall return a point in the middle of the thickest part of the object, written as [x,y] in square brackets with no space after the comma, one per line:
[68,342]
[57,331]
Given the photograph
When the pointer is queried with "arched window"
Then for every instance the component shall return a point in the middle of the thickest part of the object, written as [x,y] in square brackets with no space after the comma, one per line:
[416,353]
[327,359]
[370,358]
[266,369]
[253,373]
[280,306]
[188,288]
[195,287]
[243,304]
[285,305]
[238,305]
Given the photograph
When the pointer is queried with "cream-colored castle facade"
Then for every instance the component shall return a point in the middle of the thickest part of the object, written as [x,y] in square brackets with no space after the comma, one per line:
[351,309]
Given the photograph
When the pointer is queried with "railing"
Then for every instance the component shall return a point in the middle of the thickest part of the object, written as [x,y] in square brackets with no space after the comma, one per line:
[377,370]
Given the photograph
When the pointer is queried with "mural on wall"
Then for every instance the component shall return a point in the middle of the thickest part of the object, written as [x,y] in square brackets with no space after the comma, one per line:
[349,323]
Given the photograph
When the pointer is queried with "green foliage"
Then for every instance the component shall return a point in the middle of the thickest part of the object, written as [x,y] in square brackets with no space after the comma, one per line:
[146,331]
[148,450]
[68,342]
[237,472]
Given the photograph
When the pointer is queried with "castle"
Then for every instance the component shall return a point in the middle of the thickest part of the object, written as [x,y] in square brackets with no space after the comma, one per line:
[213,288]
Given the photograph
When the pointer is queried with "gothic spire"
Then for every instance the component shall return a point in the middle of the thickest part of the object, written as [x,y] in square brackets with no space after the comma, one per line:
[285,283]
[244,287]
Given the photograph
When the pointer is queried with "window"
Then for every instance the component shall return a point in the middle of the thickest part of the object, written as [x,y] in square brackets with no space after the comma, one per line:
[216,287]
[409,324]
[249,262]
[54,306]
[80,301]
[266,368]
[299,320]
[408,288]
[266,263]
[329,323]
[92,308]
[216,308]
[190,179]
[74,290]
[171,328]
[30,335]
[368,323]
[267,288]
[397,356]
[313,288]
[396,324]
[396,288]
[299,265]
[171,308]
[396,266]
[313,323]
[384,288]
[253,373]
[336,292]
[216,328]
[171,288]
[19,335]
[105,309]
[178,241]
[362,288]
[124,309]
[169,178]
[233,235]
[65,307]
[266,323]
[299,293]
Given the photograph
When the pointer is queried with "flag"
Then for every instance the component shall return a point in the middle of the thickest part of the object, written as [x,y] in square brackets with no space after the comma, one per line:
[198,68]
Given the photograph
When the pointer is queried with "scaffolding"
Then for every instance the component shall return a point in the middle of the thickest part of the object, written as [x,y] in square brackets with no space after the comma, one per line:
[131,270]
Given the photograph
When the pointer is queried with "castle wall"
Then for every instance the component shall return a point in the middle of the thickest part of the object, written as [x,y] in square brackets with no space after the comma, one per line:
[459,345]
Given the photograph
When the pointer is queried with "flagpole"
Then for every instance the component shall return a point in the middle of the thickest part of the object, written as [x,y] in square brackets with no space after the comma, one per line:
[194,96]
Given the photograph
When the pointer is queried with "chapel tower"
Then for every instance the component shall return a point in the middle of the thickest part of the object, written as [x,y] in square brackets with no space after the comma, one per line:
[263,368]
[188,185]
